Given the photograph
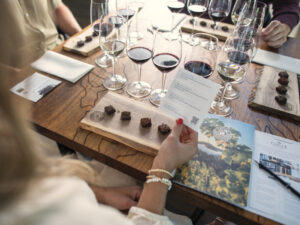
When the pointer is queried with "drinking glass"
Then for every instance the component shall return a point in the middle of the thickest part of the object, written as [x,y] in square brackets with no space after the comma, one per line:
[232,65]
[96,10]
[243,10]
[202,64]
[113,44]
[137,6]
[166,57]
[139,52]
[175,6]
[218,10]
[196,8]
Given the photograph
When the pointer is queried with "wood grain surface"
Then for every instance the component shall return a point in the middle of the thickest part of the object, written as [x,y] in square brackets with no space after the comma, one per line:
[58,117]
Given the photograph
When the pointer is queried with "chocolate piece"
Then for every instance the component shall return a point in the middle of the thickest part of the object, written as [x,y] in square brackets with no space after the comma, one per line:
[146,122]
[283,74]
[212,26]
[125,115]
[80,43]
[203,24]
[283,81]
[164,128]
[225,28]
[88,38]
[95,33]
[110,110]
[281,100]
[281,90]
[192,21]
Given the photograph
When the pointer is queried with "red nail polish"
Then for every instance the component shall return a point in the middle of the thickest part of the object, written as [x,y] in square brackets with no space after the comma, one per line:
[179,121]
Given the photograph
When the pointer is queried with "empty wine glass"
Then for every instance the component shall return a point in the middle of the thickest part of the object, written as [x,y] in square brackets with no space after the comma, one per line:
[113,44]
[137,6]
[243,11]
[218,10]
[196,9]
[96,10]
[202,64]
[139,52]
[166,57]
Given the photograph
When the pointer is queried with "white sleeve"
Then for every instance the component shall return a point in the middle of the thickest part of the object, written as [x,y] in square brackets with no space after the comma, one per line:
[141,216]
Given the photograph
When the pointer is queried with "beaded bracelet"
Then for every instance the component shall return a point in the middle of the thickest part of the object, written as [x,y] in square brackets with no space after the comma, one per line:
[161,170]
[165,181]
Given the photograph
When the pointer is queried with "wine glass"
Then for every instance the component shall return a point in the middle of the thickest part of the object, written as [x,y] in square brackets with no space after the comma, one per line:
[232,65]
[243,11]
[218,10]
[113,44]
[175,6]
[139,52]
[137,6]
[96,10]
[196,8]
[202,64]
[166,57]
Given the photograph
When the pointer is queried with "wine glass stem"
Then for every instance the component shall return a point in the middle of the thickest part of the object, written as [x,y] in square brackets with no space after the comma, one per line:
[172,24]
[163,83]
[224,91]
[113,62]
[194,24]
[140,72]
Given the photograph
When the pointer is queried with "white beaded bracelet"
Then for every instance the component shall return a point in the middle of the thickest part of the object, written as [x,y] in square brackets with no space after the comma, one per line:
[161,180]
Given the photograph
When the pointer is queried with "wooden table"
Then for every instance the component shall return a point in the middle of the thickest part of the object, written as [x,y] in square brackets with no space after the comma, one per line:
[58,114]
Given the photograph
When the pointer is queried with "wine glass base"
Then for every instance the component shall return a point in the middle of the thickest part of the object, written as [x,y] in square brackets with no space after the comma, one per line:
[189,39]
[136,35]
[156,96]
[231,94]
[209,45]
[114,83]
[171,36]
[220,108]
[103,61]
[139,89]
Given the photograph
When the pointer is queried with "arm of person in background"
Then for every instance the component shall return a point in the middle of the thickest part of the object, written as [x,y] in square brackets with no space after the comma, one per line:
[65,20]
[285,18]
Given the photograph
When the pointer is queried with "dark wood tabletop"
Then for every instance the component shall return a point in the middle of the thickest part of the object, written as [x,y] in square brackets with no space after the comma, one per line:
[58,115]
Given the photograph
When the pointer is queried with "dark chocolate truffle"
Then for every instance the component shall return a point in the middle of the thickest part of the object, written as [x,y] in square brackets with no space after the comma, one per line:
[146,122]
[283,81]
[95,33]
[281,100]
[225,28]
[88,38]
[203,24]
[281,90]
[164,128]
[80,43]
[283,74]
[125,115]
[110,110]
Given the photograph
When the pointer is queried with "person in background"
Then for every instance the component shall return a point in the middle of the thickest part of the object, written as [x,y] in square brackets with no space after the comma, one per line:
[36,22]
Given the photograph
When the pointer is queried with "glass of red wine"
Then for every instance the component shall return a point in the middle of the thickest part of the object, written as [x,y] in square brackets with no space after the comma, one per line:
[218,10]
[96,10]
[175,6]
[200,59]
[196,9]
[139,52]
[166,57]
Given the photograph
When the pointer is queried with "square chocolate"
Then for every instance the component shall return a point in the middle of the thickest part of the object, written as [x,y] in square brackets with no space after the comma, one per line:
[164,128]
[110,110]
[146,122]
[125,115]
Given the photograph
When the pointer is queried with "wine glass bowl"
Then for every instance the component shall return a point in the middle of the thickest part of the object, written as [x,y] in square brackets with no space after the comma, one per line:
[218,10]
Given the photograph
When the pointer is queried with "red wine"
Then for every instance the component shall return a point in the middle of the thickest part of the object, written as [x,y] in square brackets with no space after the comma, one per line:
[139,54]
[218,16]
[165,62]
[196,10]
[126,13]
[116,20]
[242,44]
[200,68]
[238,57]
[106,28]
[175,6]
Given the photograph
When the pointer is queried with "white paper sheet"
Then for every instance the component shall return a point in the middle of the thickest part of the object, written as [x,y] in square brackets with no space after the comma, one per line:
[35,87]
[277,61]
[268,197]
[62,66]
[189,97]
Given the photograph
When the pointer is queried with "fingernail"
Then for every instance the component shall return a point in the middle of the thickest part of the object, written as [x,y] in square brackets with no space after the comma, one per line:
[179,121]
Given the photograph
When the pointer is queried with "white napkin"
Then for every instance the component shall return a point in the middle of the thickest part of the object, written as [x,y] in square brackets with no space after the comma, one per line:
[278,61]
[62,66]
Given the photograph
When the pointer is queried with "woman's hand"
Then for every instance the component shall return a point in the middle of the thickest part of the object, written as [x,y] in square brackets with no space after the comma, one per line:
[275,34]
[122,198]
[179,147]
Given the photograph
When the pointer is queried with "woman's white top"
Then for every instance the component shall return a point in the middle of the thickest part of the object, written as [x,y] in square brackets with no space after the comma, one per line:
[64,201]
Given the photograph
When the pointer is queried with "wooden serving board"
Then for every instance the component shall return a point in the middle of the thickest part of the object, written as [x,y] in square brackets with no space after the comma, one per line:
[262,96]
[88,48]
[222,35]
[147,140]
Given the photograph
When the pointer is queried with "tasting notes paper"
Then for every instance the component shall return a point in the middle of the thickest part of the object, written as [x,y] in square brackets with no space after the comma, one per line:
[189,97]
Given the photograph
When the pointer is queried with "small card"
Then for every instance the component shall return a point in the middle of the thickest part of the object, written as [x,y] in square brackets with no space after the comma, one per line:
[35,87]
[189,97]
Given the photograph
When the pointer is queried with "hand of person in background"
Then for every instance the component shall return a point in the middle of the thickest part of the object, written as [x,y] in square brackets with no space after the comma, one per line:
[275,34]
[122,198]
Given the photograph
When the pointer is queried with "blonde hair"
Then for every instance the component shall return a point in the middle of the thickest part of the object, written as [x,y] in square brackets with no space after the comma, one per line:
[21,162]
